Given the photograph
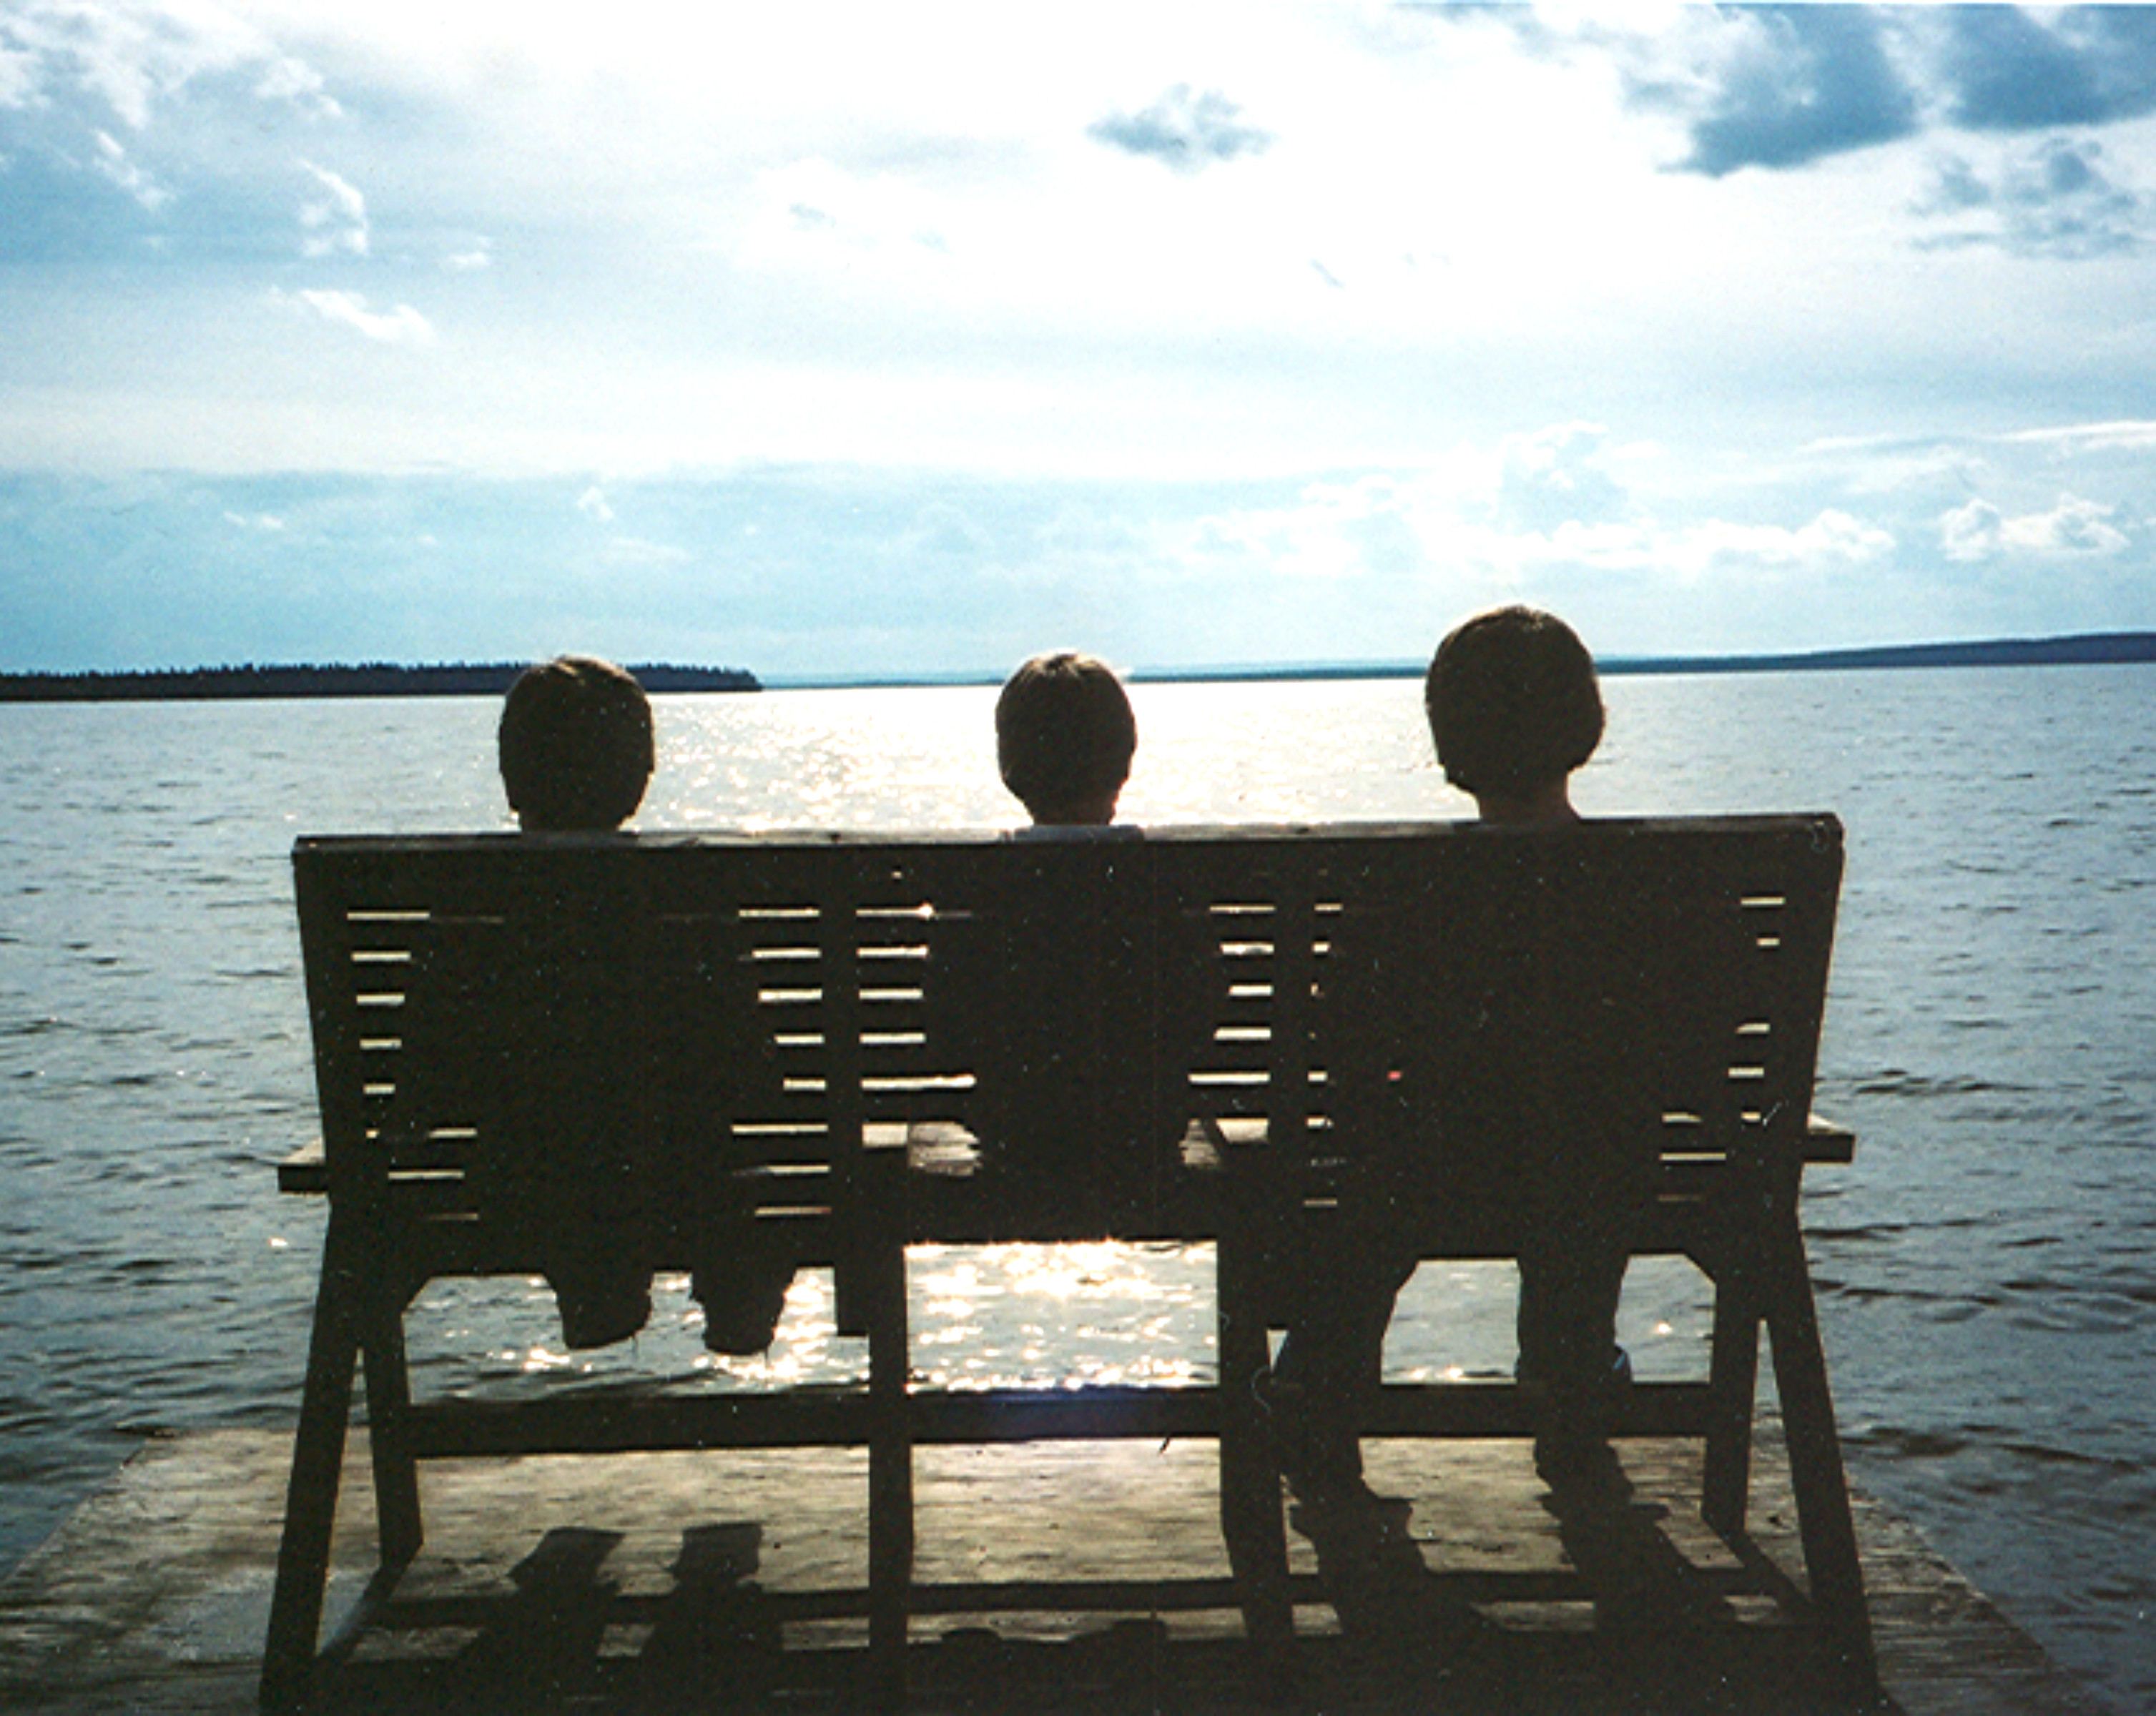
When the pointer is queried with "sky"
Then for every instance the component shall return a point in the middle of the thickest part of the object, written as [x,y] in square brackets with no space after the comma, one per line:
[838,340]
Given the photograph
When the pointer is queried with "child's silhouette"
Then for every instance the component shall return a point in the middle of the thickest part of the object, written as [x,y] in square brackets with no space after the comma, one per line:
[576,753]
[1514,710]
[1069,1022]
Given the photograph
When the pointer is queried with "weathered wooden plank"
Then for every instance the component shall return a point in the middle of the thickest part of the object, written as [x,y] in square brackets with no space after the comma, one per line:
[1056,1576]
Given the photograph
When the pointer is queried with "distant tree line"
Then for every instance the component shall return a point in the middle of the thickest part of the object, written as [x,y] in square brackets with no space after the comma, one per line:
[2085,649]
[366,679]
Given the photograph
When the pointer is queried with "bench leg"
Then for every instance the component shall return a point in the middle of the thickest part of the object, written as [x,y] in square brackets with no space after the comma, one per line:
[1823,1520]
[389,1407]
[1733,1384]
[891,1474]
[1250,1472]
[303,1553]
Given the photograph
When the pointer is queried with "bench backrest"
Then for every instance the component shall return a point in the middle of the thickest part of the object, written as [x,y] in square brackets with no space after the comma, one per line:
[654,1016]
[1569,1027]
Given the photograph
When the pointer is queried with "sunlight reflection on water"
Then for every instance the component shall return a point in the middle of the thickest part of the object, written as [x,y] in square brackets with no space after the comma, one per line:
[1042,1316]
[876,759]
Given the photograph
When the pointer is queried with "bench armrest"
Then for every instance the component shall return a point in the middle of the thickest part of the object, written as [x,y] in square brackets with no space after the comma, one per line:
[305,1171]
[1826,1142]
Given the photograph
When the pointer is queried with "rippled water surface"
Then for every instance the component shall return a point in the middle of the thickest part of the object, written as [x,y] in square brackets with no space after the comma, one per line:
[1987,1268]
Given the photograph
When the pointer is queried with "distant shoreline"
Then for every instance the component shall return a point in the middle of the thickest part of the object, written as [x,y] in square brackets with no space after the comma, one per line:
[492,679]
[2086,649]
[371,680]
[2083,650]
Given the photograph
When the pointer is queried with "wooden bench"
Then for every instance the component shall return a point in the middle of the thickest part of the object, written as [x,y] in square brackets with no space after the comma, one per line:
[815,971]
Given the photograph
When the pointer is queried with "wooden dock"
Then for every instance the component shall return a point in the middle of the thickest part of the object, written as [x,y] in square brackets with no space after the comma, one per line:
[1052,1577]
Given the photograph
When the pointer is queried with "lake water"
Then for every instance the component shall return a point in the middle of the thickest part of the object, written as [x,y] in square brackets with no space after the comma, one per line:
[1987,1269]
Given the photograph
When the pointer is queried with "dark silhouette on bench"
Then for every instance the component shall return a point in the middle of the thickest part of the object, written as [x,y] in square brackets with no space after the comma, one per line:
[1510,1078]
[603,1187]
[1077,1021]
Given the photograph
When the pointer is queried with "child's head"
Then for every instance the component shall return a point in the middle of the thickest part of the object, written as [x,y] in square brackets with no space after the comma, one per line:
[1513,704]
[575,745]
[1064,737]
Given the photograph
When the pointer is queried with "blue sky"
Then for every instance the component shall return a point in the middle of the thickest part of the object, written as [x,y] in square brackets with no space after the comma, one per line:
[847,339]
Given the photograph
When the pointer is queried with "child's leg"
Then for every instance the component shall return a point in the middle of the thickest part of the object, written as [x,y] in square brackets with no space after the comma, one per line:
[1330,1366]
[1567,1336]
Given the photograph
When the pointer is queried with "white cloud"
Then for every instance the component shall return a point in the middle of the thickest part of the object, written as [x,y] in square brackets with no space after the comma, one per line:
[401,326]
[286,78]
[1556,476]
[2073,526]
[335,218]
[131,57]
[812,204]
[112,162]
[1546,497]
[1335,530]
[1461,523]
[1184,130]
[940,529]
[2059,199]
[593,504]
[479,255]
[263,521]
[19,76]
[635,551]
[2127,434]
[1979,531]
[1969,532]
[1833,537]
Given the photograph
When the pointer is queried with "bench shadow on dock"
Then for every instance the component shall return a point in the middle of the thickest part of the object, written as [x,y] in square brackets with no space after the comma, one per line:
[1058,1576]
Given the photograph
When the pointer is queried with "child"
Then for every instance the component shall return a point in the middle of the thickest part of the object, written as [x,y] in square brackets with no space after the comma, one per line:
[574,744]
[576,751]
[1042,995]
[1514,710]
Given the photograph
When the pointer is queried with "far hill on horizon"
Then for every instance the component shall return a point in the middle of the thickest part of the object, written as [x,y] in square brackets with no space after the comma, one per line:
[368,679]
[2082,649]
[2088,649]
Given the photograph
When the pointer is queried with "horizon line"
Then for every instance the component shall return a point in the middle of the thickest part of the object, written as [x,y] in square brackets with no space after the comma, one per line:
[2069,649]
[2063,649]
